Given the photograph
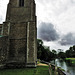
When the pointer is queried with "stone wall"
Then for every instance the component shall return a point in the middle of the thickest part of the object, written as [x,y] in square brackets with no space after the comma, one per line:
[0,28]
[31,44]
[15,13]
[18,42]
[3,48]
[20,27]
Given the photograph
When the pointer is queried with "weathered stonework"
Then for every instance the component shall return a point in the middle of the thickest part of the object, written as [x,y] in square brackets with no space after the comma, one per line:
[0,28]
[20,27]
[3,48]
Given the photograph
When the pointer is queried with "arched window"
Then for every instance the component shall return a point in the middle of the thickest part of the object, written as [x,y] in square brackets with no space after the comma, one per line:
[21,3]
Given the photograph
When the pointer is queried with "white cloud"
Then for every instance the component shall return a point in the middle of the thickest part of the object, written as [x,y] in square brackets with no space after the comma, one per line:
[59,12]
[55,45]
[3,7]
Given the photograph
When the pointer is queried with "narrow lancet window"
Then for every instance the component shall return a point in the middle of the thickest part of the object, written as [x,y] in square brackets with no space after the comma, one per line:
[21,3]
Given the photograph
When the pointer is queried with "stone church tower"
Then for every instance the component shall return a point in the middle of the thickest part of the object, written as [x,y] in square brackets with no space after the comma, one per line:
[20,27]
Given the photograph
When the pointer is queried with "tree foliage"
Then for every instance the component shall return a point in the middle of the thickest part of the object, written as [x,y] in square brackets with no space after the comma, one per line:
[71,52]
[43,52]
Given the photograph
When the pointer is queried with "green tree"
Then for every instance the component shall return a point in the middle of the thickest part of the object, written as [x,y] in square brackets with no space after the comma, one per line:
[54,51]
[71,52]
[68,53]
[54,54]
[39,48]
[61,55]
[43,52]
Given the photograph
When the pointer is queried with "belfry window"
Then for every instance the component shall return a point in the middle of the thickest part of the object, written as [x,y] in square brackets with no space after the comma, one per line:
[21,3]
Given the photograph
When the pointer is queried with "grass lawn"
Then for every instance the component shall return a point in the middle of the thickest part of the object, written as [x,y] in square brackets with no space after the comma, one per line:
[71,59]
[40,70]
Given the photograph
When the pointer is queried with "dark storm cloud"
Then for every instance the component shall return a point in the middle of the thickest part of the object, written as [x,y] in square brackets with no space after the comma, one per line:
[68,39]
[47,32]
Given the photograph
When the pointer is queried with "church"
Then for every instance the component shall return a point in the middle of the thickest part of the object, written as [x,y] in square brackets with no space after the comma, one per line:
[18,39]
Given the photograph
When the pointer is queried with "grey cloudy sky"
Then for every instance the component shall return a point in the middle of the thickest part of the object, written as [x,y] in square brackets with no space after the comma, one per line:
[55,21]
